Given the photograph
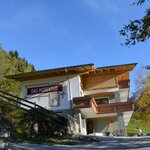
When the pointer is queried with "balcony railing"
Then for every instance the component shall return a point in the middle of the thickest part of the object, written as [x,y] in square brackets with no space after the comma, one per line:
[81,102]
[115,107]
[87,102]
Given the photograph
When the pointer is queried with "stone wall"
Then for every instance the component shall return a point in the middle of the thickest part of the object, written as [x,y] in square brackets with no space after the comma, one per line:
[73,125]
[121,123]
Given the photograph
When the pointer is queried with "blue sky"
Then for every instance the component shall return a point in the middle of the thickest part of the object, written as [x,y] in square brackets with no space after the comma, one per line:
[57,33]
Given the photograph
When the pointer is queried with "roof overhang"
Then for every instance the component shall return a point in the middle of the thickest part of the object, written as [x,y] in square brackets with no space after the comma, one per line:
[71,70]
[116,68]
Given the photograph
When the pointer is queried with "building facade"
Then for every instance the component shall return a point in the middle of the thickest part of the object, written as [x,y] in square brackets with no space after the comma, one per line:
[98,98]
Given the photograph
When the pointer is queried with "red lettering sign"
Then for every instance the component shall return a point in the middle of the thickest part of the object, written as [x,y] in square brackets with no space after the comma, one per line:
[44,89]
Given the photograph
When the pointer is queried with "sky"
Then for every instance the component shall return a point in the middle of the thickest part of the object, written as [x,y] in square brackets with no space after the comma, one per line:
[59,33]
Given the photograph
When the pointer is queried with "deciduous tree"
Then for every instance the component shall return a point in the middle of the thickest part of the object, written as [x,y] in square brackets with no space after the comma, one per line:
[142,95]
[137,30]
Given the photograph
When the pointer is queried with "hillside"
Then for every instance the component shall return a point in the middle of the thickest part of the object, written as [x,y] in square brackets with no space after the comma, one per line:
[11,63]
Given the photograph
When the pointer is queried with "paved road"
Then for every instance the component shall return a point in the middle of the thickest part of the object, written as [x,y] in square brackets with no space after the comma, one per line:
[107,143]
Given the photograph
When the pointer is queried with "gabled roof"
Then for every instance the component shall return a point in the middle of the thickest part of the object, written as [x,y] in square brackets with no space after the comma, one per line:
[69,70]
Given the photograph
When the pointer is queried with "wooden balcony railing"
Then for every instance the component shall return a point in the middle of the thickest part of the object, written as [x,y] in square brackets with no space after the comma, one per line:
[115,107]
[81,102]
[87,102]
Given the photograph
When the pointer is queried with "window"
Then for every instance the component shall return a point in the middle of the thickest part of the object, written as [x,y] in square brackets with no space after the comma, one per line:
[102,101]
[54,99]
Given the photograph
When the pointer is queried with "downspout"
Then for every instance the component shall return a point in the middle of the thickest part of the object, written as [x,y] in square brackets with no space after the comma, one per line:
[66,70]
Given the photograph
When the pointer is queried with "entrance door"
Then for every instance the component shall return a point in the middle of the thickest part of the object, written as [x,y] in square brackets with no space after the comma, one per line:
[90,127]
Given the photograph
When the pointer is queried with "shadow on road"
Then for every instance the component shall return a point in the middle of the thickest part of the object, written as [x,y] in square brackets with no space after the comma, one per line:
[107,143]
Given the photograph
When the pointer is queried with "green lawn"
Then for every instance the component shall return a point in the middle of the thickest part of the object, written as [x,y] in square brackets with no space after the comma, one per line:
[131,128]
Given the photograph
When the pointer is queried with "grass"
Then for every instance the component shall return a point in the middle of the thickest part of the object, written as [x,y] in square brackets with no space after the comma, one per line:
[131,128]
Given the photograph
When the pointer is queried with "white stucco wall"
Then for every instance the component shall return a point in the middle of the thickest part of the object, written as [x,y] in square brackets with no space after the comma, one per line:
[83,129]
[71,88]
[124,94]
[127,116]
[100,124]
[112,99]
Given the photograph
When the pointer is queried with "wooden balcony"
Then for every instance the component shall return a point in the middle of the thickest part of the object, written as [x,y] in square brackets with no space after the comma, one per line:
[89,102]
[81,102]
[115,107]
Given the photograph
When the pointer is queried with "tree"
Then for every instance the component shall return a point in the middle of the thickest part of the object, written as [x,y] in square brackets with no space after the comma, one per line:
[11,63]
[141,77]
[137,30]
[142,95]
[143,107]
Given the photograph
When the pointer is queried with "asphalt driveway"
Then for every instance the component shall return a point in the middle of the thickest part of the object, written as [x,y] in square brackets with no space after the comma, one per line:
[107,143]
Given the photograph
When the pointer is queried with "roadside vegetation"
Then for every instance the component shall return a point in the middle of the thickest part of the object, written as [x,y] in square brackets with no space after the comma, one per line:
[11,63]
[24,123]
[131,128]
[141,97]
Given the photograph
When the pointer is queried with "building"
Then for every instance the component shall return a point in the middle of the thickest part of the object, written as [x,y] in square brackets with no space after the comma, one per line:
[94,96]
